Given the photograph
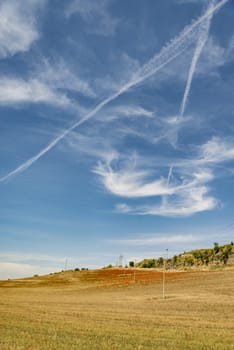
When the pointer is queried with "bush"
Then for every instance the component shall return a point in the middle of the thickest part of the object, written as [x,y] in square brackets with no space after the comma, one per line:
[188,261]
[160,262]
[205,257]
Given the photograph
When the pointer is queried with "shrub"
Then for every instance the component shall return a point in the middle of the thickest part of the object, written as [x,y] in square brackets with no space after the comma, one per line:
[205,256]
[160,261]
[188,261]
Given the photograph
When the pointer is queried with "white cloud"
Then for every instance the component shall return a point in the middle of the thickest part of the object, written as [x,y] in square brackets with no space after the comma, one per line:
[18,29]
[170,128]
[183,192]
[123,67]
[96,15]
[176,120]
[18,264]
[124,111]
[15,91]
[189,202]
[129,182]
[17,270]
[159,239]
[133,111]
[47,84]
[91,144]
[217,150]
[60,77]
[23,257]
[215,56]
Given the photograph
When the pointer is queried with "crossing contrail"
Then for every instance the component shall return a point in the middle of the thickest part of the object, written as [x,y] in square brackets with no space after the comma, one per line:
[169,176]
[202,38]
[169,52]
[170,173]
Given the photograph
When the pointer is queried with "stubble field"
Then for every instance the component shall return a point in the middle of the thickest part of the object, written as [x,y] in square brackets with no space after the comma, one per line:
[118,309]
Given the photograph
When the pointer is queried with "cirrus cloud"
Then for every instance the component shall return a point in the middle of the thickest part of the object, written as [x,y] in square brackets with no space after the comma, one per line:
[18,27]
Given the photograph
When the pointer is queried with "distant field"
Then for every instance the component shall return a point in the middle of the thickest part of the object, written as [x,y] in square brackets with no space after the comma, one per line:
[106,309]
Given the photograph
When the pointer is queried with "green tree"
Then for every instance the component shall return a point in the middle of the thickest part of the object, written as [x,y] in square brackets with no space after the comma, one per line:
[205,256]
[216,247]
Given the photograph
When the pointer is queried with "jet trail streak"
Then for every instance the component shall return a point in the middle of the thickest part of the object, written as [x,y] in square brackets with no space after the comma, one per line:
[166,55]
[204,32]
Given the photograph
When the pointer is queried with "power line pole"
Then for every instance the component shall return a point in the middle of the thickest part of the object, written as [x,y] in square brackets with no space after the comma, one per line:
[164,274]
[121,260]
[134,271]
[65,267]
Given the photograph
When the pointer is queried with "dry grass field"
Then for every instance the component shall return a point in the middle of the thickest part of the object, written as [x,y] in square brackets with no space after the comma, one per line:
[105,309]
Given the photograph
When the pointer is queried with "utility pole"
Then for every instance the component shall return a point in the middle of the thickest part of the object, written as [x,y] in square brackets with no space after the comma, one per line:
[164,274]
[134,271]
[65,267]
[121,260]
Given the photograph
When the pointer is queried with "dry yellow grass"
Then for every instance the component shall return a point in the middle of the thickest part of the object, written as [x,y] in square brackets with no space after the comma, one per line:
[106,310]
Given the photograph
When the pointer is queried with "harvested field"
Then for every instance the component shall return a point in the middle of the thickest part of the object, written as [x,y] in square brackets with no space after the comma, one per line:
[106,309]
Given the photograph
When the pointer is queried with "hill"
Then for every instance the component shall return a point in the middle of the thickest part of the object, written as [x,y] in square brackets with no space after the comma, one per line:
[216,257]
[118,309]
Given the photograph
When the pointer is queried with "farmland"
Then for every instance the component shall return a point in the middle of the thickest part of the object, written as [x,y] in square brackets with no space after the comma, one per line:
[118,309]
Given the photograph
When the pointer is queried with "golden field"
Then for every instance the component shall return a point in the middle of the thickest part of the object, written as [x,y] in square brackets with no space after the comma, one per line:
[107,309]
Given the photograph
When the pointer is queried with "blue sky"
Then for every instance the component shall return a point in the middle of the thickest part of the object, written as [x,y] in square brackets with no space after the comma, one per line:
[116,131]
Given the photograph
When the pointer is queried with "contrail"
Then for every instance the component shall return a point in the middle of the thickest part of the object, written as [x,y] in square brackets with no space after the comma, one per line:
[176,46]
[204,32]
[170,173]
[164,197]
[166,55]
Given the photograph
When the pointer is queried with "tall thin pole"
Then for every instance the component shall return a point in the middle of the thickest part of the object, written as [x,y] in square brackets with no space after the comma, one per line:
[164,274]
[164,281]
[134,272]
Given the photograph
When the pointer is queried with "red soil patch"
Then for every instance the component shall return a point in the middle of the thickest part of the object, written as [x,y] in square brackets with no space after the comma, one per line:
[118,276]
[102,277]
